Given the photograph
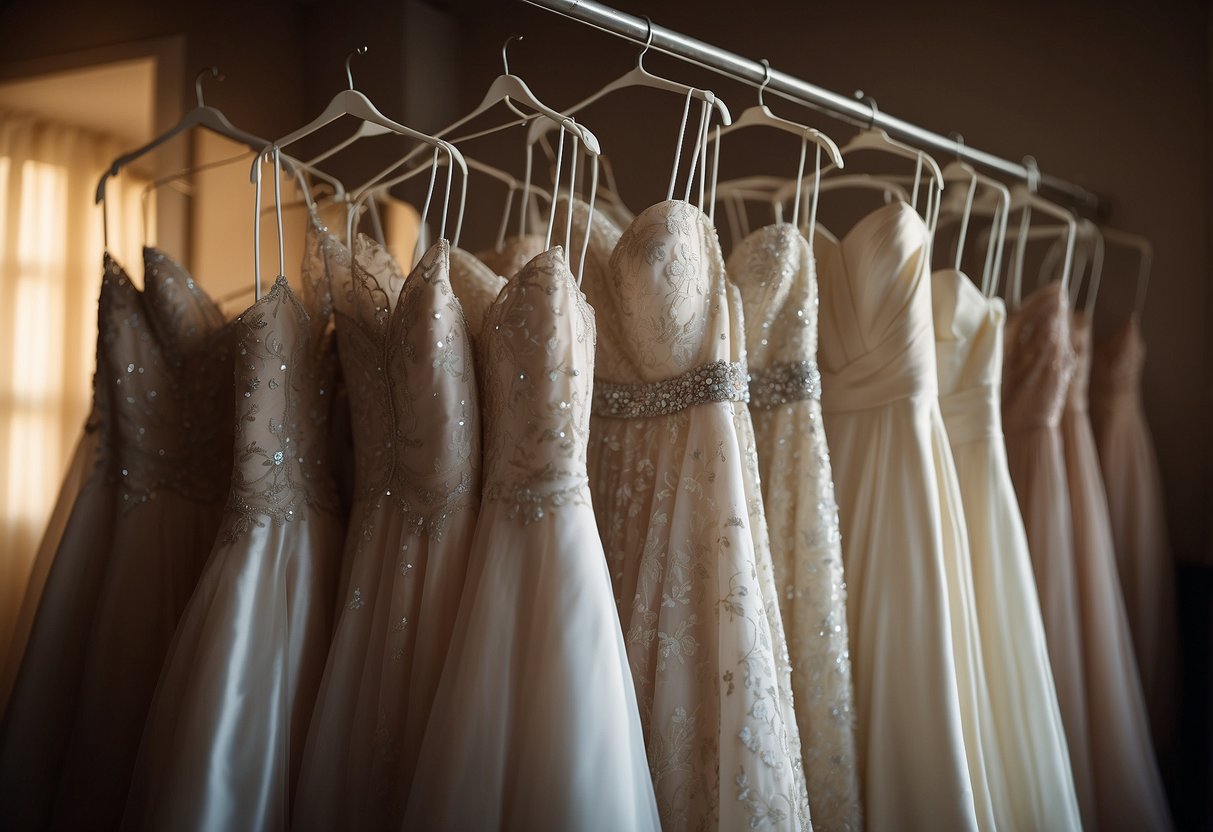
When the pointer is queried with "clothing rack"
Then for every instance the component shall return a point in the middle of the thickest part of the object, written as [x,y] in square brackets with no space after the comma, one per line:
[842,107]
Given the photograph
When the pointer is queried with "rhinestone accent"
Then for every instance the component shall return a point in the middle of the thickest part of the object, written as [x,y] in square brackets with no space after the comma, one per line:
[720,381]
[783,383]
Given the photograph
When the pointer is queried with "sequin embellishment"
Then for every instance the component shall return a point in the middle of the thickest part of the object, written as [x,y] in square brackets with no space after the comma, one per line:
[720,381]
[783,383]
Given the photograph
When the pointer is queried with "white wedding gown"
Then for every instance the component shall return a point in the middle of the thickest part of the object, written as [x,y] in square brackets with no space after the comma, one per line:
[535,725]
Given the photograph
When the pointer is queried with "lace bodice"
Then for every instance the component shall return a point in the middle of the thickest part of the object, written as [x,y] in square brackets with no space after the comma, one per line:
[1038,360]
[968,356]
[284,385]
[163,378]
[476,285]
[538,360]
[406,356]
[662,300]
[877,336]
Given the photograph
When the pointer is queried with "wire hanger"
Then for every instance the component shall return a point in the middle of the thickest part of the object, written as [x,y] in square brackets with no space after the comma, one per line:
[1025,199]
[212,119]
[996,204]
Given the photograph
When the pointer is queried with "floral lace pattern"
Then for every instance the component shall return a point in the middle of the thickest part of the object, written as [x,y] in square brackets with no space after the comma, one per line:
[163,385]
[682,524]
[538,354]
[774,271]
[284,383]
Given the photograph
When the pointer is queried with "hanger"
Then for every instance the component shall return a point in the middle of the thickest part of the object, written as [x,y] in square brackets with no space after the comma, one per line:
[1145,251]
[638,76]
[876,139]
[1025,199]
[1089,248]
[997,202]
[212,119]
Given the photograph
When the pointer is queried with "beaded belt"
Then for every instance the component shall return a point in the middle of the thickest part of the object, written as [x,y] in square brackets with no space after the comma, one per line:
[785,382]
[720,381]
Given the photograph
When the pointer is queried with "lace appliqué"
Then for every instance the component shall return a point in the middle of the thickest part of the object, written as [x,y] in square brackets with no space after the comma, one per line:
[720,381]
[784,383]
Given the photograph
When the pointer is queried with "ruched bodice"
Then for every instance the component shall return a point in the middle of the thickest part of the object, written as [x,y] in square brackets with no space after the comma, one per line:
[1038,361]
[877,338]
[968,356]
[538,351]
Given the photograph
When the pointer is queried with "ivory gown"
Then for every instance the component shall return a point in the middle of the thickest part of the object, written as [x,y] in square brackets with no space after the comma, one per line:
[534,725]
[1030,738]
[673,472]
[1128,788]
[1139,522]
[918,689]
[407,358]
[774,269]
[129,555]
[226,730]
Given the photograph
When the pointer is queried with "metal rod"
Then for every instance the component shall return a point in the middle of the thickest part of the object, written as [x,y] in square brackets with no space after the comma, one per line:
[842,107]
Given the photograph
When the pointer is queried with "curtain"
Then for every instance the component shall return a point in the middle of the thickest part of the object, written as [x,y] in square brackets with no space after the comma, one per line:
[50,273]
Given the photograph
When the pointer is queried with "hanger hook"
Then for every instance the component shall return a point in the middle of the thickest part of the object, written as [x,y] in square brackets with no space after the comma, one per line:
[505,58]
[214,73]
[648,42]
[871,102]
[766,79]
[1033,167]
[349,74]
[960,145]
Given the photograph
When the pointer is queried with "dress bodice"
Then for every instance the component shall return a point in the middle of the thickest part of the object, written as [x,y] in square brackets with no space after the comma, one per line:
[1116,365]
[1038,360]
[538,360]
[774,271]
[1080,338]
[406,355]
[163,384]
[968,356]
[877,336]
[284,377]
[664,306]
[515,252]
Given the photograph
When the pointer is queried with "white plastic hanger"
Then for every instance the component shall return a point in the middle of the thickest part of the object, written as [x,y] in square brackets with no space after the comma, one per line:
[997,197]
[212,119]
[1145,251]
[351,102]
[638,76]
[1025,199]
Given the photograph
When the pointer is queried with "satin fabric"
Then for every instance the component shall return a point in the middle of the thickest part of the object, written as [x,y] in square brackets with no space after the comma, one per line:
[81,696]
[1128,787]
[904,542]
[1139,522]
[535,724]
[679,507]
[1031,744]
[227,728]
[1038,363]
[417,450]
[775,272]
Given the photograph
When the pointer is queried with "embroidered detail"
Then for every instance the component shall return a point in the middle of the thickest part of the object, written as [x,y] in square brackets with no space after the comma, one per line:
[784,383]
[720,381]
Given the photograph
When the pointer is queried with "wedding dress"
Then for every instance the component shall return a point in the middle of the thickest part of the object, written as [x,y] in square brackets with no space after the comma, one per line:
[513,253]
[1038,363]
[534,725]
[672,466]
[1128,787]
[476,286]
[1139,522]
[917,688]
[407,358]
[774,269]
[129,555]
[1030,737]
[227,727]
